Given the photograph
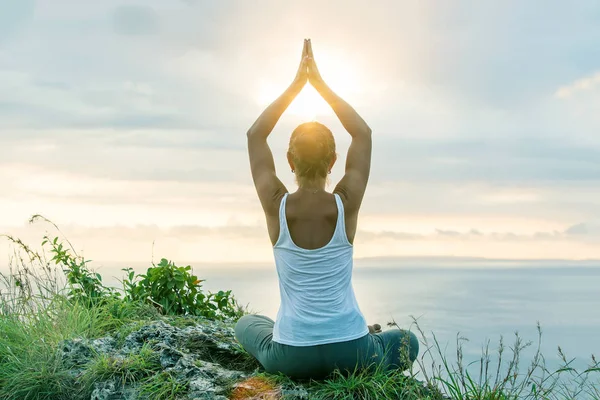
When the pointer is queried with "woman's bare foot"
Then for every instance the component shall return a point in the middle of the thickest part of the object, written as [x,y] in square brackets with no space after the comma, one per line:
[375,328]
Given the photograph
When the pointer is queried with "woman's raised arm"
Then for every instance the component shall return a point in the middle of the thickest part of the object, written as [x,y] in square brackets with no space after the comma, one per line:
[268,186]
[358,163]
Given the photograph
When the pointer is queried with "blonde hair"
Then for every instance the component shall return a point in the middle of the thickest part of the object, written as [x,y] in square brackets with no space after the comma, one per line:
[312,149]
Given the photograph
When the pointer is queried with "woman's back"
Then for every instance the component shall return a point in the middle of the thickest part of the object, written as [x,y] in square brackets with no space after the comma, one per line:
[316,284]
[311,218]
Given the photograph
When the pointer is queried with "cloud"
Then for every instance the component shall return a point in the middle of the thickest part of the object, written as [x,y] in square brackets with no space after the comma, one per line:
[477,236]
[581,85]
[30,102]
[584,229]
[492,159]
[140,242]
[578,229]
[449,233]
[135,20]
[377,235]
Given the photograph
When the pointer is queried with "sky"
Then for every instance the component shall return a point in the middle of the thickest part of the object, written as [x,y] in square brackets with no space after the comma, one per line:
[124,123]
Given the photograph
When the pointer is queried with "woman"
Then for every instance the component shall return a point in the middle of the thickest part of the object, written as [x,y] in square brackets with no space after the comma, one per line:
[319,326]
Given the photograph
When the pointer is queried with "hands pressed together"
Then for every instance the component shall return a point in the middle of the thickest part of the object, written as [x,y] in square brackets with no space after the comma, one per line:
[308,71]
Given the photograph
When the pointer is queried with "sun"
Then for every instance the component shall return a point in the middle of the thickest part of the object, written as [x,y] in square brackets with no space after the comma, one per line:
[308,105]
[339,74]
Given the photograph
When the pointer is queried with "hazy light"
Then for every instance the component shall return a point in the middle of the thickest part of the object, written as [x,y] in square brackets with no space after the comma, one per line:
[338,73]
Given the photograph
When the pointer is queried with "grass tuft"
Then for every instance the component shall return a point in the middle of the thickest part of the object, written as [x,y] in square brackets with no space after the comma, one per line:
[372,385]
[162,386]
[125,370]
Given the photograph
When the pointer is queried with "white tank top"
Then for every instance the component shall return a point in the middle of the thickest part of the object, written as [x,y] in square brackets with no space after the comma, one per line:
[318,304]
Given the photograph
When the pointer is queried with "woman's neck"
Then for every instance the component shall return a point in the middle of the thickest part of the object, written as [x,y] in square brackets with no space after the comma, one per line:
[312,189]
[311,185]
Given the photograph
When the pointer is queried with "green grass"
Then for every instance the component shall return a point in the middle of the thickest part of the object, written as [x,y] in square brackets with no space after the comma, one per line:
[369,386]
[366,385]
[162,386]
[131,369]
[31,366]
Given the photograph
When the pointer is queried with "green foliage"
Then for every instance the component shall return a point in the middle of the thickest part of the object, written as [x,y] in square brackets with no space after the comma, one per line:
[83,284]
[365,384]
[172,289]
[130,369]
[377,385]
[31,366]
[176,291]
[162,386]
[46,300]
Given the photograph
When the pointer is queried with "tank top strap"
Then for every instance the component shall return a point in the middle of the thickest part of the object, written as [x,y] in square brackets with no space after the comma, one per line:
[340,228]
[282,217]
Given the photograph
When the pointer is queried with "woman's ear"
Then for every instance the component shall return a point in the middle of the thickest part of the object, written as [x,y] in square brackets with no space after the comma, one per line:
[333,160]
[291,161]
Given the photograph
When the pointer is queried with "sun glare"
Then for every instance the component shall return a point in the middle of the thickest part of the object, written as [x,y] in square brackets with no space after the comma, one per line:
[338,74]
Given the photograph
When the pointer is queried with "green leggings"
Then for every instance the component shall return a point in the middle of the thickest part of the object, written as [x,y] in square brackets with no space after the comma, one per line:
[392,349]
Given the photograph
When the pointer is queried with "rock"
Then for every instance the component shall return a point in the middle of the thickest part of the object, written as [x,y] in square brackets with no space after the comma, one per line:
[77,352]
[111,390]
[202,357]
[169,357]
[156,332]
[204,389]
[104,391]
[295,394]
[104,345]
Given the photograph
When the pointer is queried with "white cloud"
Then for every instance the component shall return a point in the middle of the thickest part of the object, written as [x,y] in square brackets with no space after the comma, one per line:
[588,83]
[585,229]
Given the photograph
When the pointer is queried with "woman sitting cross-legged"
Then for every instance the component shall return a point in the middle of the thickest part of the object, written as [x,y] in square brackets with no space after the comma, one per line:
[319,326]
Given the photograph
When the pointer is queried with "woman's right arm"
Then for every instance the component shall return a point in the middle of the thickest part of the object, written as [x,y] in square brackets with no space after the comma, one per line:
[358,162]
[268,186]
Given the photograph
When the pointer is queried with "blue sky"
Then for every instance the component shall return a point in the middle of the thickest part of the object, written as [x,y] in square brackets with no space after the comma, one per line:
[124,122]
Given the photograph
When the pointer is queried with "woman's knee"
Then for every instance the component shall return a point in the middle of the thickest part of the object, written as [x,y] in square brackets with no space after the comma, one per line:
[241,325]
[253,332]
[413,343]
[405,342]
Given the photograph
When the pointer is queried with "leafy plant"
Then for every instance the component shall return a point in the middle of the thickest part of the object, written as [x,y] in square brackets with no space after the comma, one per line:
[83,284]
[171,289]
[176,291]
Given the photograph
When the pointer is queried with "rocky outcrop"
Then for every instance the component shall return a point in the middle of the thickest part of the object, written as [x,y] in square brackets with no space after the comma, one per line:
[177,359]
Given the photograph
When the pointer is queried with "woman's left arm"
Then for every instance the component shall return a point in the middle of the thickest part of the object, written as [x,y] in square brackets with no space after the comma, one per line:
[268,186]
